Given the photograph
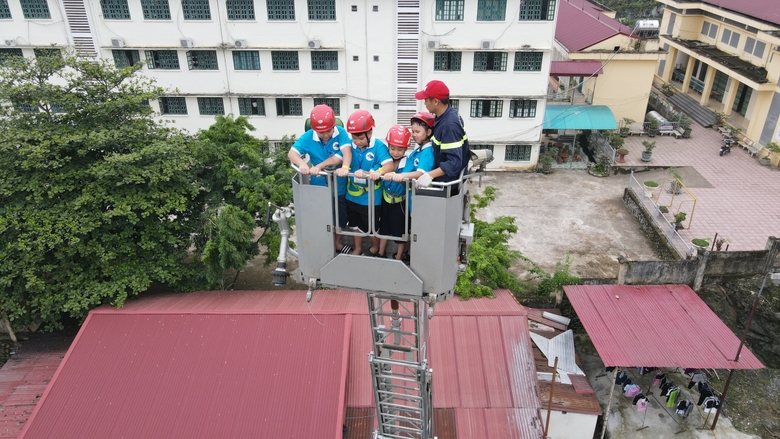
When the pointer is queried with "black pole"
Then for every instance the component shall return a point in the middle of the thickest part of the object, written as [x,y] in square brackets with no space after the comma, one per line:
[739,350]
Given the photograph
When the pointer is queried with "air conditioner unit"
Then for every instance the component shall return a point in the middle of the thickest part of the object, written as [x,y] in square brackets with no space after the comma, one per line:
[186,42]
[10,43]
[240,44]
[313,44]
[117,42]
[486,45]
[433,44]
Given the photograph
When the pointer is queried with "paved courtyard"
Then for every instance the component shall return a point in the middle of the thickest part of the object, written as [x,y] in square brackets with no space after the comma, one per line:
[736,197]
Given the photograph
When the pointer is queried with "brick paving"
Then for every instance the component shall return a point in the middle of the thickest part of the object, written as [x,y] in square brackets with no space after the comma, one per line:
[744,202]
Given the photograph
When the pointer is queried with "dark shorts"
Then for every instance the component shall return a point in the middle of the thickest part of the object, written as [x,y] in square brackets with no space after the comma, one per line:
[391,219]
[358,216]
[343,216]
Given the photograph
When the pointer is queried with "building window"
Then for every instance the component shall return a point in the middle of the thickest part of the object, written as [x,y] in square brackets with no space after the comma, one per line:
[125,58]
[115,9]
[333,103]
[5,11]
[537,10]
[743,99]
[173,106]
[287,60]
[730,38]
[455,103]
[355,58]
[486,108]
[517,153]
[289,107]
[490,61]
[324,60]
[43,53]
[528,61]
[522,108]
[246,60]
[354,8]
[202,60]
[5,54]
[376,106]
[322,9]
[24,107]
[719,86]
[713,31]
[196,9]
[35,9]
[211,106]
[156,9]
[479,146]
[705,28]
[754,48]
[491,10]
[251,106]
[446,61]
[759,50]
[281,9]
[162,59]
[449,10]
[240,9]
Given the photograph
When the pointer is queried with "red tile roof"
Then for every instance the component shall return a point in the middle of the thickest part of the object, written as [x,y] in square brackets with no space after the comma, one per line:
[581,25]
[193,363]
[656,325]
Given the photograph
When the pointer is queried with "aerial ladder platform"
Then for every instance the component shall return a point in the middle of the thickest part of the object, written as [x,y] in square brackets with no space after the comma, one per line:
[401,298]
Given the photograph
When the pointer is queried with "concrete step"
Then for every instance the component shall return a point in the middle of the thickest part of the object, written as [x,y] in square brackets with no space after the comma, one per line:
[691,107]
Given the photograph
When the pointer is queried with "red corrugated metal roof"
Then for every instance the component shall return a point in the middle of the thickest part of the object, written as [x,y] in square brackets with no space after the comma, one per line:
[480,353]
[576,68]
[656,325]
[205,375]
[762,10]
[581,25]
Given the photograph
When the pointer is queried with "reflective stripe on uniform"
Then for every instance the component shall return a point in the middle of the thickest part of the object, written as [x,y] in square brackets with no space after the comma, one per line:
[452,145]
[391,199]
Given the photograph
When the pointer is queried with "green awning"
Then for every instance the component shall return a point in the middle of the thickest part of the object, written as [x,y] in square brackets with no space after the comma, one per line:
[579,117]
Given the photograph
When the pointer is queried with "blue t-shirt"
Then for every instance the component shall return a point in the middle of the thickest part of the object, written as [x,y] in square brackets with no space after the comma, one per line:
[420,159]
[373,157]
[310,143]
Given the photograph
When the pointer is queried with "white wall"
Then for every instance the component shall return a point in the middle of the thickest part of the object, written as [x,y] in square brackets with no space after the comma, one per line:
[570,425]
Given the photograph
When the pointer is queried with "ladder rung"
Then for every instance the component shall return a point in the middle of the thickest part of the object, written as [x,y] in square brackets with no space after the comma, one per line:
[395,347]
[416,421]
[402,428]
[402,407]
[409,398]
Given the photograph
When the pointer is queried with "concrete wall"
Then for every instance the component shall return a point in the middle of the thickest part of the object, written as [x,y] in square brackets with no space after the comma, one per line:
[656,272]
[653,233]
[568,425]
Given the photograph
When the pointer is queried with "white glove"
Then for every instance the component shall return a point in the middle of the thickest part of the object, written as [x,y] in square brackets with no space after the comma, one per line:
[424,180]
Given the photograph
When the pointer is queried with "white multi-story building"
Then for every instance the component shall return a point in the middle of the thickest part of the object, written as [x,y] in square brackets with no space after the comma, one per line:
[273,60]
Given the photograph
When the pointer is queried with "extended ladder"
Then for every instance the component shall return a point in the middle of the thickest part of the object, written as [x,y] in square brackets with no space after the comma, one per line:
[399,366]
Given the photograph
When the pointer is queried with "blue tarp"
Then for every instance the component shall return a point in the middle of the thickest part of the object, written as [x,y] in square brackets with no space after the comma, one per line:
[579,117]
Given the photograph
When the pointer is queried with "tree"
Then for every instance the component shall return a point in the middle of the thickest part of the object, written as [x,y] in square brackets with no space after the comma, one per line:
[97,200]
[489,255]
[239,175]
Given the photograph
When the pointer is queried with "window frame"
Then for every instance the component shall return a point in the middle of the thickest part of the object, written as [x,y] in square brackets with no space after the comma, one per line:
[522,108]
[5,10]
[449,10]
[523,154]
[154,64]
[247,103]
[242,8]
[482,5]
[438,63]
[47,51]
[281,8]
[116,54]
[204,102]
[535,64]
[161,8]
[277,63]
[195,10]
[119,7]
[288,104]
[502,61]
[249,57]
[165,102]
[494,110]
[38,11]
[316,10]
[324,62]
[194,60]
[9,52]
[537,10]
[333,103]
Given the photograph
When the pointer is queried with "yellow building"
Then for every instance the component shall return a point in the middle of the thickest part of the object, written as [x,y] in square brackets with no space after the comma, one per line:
[725,54]
[625,58]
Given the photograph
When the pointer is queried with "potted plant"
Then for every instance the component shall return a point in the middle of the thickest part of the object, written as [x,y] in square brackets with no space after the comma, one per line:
[685,125]
[652,128]
[720,118]
[622,153]
[547,160]
[663,209]
[701,244]
[734,132]
[676,185]
[679,217]
[774,149]
[667,89]
[650,188]
[648,152]
[626,126]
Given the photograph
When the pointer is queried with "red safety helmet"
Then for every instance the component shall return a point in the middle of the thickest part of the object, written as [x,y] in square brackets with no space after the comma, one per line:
[399,136]
[425,117]
[360,122]
[322,118]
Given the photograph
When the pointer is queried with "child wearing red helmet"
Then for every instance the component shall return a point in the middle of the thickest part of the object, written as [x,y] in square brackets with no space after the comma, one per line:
[392,216]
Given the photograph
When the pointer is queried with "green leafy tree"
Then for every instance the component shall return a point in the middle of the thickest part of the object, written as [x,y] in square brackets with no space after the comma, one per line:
[239,175]
[489,255]
[95,196]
